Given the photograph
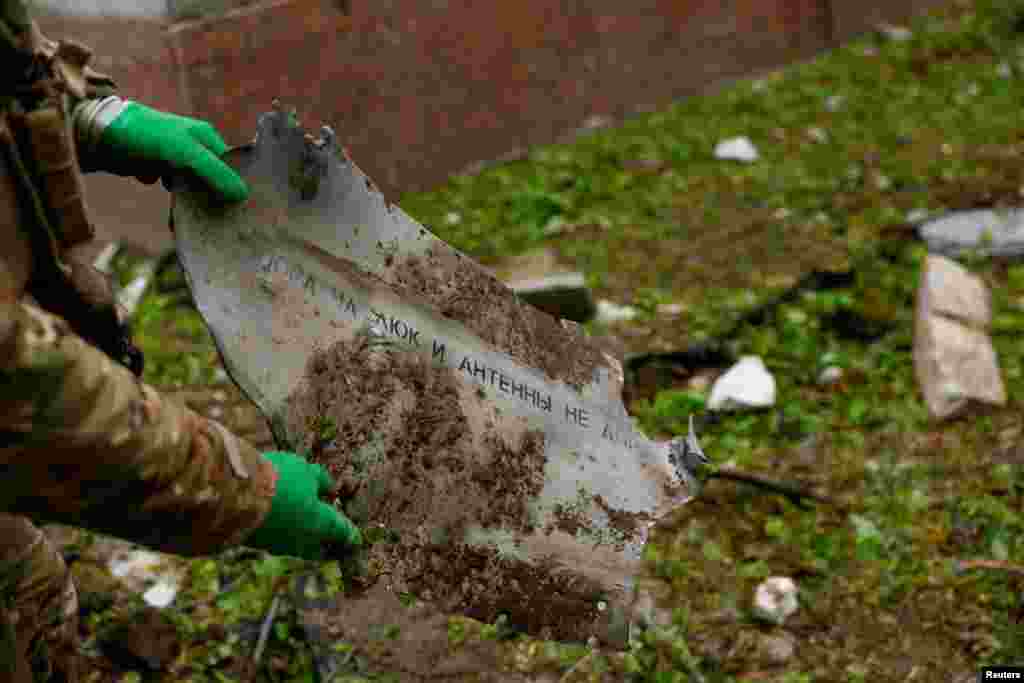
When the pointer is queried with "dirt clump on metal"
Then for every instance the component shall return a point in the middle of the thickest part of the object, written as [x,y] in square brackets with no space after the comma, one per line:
[421,460]
[629,524]
[464,291]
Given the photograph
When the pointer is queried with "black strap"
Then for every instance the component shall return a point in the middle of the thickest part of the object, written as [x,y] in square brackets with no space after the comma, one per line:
[51,285]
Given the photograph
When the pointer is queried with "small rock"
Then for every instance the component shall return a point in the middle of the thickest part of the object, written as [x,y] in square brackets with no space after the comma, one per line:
[897,34]
[808,451]
[610,312]
[563,295]
[954,360]
[130,296]
[161,594]
[739,149]
[997,233]
[1004,70]
[597,121]
[775,649]
[817,134]
[105,258]
[155,575]
[775,599]
[917,215]
[830,375]
[747,384]
[452,218]
[671,309]
[700,381]
[949,289]
[834,103]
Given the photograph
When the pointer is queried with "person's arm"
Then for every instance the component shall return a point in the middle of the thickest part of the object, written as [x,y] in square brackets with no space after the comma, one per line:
[84,442]
[130,139]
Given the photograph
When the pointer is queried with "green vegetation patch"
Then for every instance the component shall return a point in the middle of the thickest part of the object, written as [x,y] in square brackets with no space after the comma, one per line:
[850,144]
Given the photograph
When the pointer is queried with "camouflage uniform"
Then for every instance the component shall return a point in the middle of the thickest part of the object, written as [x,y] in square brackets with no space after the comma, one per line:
[82,440]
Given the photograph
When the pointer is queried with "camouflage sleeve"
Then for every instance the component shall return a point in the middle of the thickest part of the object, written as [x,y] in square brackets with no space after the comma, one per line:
[15,24]
[83,442]
[21,44]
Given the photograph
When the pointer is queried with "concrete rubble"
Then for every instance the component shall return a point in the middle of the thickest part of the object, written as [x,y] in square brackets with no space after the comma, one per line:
[156,575]
[747,384]
[538,279]
[738,149]
[954,360]
[995,233]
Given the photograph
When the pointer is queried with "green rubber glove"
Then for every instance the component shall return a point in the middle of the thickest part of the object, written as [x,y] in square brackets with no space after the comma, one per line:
[147,143]
[299,523]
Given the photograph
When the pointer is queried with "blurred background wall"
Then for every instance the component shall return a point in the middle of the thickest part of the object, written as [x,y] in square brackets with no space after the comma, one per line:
[420,89]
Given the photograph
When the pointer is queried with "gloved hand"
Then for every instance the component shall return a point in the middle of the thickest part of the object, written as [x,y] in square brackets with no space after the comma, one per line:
[299,523]
[148,144]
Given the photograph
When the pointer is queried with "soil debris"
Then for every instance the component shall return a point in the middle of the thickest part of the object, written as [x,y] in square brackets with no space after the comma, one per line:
[422,461]
[464,291]
[629,524]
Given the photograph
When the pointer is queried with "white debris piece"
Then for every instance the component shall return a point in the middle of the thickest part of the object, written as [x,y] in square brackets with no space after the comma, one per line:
[131,295]
[161,594]
[997,233]
[775,599]
[157,576]
[747,384]
[830,375]
[897,34]
[611,312]
[597,121]
[954,360]
[739,149]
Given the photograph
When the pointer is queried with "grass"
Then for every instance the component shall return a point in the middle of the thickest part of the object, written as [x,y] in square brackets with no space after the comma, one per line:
[929,124]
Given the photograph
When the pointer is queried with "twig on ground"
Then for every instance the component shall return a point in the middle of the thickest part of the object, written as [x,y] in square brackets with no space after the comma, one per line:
[268,621]
[794,493]
[965,565]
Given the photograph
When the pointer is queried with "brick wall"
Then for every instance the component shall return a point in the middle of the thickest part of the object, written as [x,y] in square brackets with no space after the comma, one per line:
[419,89]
